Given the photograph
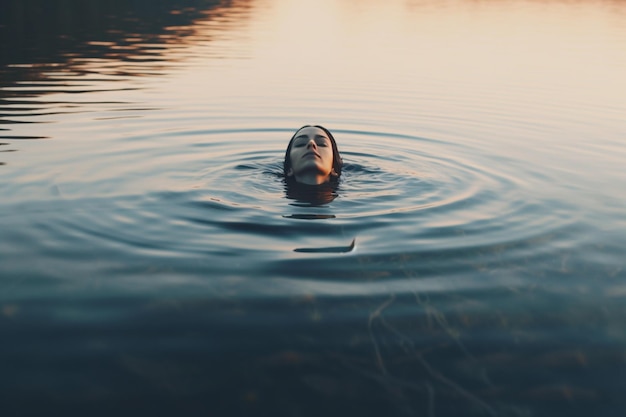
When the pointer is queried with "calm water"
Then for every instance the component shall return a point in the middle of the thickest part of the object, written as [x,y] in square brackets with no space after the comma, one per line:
[153,263]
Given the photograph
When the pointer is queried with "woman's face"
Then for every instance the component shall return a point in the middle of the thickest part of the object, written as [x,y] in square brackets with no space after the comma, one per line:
[311,156]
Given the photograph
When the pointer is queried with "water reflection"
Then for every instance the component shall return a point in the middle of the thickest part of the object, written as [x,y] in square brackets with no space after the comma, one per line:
[310,195]
[157,255]
[44,32]
[76,47]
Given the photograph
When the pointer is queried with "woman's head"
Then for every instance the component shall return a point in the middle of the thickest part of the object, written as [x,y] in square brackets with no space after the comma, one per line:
[312,156]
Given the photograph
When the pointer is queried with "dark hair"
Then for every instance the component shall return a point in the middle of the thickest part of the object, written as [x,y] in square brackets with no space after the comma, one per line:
[337,161]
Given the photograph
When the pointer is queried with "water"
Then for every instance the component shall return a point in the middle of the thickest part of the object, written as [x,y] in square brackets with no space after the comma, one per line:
[152,260]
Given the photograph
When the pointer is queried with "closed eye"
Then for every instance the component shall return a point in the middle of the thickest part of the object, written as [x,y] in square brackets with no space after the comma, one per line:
[318,143]
[301,141]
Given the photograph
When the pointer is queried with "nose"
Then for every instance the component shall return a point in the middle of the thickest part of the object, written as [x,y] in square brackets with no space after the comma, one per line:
[311,144]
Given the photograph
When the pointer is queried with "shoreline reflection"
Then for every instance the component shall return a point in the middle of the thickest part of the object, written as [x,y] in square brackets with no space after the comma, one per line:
[49,39]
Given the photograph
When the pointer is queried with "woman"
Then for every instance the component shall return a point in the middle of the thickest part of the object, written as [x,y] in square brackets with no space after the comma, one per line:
[312,157]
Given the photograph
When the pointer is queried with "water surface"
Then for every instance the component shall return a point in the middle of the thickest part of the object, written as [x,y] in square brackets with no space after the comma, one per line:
[152,259]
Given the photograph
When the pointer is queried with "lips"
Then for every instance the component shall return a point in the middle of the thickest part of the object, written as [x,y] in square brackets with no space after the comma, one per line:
[315,154]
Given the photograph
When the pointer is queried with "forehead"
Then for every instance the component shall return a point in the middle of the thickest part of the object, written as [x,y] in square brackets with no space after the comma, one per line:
[311,131]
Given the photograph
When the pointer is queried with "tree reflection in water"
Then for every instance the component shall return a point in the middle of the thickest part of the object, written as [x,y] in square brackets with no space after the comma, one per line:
[39,34]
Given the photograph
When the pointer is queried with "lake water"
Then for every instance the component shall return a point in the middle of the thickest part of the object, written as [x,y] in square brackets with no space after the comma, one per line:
[152,261]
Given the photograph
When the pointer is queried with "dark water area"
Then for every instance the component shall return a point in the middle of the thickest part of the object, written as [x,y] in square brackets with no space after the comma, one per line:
[45,32]
[469,262]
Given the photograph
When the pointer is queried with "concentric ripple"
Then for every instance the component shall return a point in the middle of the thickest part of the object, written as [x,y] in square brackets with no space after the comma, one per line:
[435,193]
[218,215]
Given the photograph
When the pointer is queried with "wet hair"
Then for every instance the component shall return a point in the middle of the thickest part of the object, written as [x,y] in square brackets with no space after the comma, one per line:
[337,161]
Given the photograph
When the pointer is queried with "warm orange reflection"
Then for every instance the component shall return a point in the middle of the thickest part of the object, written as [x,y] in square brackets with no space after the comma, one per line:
[460,53]
[304,60]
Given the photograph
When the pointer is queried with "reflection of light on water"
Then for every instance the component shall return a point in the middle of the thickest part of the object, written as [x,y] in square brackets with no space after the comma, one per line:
[416,66]
[284,288]
[158,213]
